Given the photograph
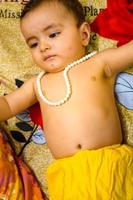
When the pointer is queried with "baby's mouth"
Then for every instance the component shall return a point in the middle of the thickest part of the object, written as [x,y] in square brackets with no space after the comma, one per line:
[49,57]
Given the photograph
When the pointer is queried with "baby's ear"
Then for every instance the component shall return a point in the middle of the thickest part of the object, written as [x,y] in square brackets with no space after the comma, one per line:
[85,33]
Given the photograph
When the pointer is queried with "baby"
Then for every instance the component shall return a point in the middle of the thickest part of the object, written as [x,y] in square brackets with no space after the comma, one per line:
[76,96]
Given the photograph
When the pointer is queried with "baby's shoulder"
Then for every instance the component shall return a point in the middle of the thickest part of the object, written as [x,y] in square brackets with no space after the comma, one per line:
[29,85]
[97,64]
[102,55]
[31,81]
[97,60]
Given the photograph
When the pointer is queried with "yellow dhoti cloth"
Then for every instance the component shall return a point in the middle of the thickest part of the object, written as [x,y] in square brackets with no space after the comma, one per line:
[102,174]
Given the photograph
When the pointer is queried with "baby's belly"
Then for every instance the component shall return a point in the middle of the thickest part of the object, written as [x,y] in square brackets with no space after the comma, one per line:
[69,134]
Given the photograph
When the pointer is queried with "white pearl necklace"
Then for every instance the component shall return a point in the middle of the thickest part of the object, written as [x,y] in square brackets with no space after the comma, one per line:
[68,87]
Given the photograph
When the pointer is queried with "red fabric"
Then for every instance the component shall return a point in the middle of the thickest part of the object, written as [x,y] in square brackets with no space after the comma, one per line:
[35,114]
[116,21]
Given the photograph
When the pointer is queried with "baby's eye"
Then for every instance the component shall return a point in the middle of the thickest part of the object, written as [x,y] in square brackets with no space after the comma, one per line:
[33,45]
[53,35]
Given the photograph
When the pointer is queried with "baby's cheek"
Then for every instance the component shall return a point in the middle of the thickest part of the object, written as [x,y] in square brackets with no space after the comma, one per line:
[70,52]
[36,58]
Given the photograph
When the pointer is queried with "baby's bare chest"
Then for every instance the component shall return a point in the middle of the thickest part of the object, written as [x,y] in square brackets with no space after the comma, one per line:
[91,101]
[83,86]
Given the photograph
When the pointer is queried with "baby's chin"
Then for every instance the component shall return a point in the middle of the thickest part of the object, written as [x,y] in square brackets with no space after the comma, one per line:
[54,69]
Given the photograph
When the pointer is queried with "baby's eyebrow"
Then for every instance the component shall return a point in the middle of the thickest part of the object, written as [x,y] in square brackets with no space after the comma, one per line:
[30,38]
[53,25]
[50,26]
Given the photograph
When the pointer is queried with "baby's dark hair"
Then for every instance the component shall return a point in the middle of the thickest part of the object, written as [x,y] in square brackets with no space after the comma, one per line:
[73,6]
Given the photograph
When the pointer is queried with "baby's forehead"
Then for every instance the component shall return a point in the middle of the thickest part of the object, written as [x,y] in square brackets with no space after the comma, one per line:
[57,5]
[42,18]
[62,8]
[53,8]
[46,12]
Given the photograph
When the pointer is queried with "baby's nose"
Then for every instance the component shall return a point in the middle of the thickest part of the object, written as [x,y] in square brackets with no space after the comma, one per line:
[44,46]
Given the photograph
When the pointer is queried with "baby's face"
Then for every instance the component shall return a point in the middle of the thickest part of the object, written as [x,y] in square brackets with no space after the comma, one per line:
[53,36]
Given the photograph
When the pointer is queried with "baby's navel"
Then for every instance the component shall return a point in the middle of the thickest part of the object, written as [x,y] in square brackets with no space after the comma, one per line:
[93,78]
[79,146]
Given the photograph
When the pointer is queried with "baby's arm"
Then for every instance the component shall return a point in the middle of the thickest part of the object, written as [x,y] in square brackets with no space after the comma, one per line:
[117,59]
[18,100]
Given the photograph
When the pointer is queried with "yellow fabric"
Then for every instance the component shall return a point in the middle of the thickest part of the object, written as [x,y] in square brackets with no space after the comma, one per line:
[103,174]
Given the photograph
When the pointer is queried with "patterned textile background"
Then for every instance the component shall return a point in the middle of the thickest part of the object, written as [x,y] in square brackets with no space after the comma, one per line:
[16,66]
